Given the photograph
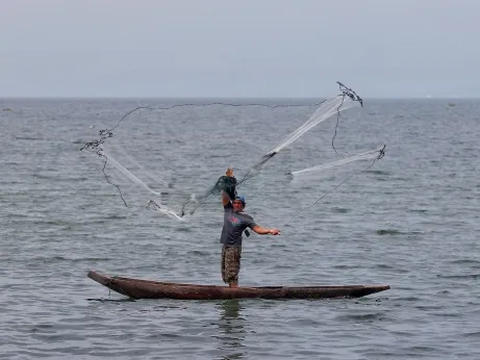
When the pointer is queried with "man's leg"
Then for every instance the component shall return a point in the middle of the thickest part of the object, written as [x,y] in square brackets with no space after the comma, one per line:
[233,255]
[223,259]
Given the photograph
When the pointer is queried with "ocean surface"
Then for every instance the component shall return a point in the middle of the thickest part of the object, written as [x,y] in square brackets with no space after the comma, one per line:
[411,221]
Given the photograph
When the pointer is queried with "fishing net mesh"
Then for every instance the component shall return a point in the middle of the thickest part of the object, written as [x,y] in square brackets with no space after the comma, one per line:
[171,158]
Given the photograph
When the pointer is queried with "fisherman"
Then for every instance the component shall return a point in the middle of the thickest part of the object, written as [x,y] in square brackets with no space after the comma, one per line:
[235,223]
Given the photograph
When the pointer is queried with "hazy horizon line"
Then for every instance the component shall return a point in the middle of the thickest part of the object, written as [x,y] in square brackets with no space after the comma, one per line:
[230,97]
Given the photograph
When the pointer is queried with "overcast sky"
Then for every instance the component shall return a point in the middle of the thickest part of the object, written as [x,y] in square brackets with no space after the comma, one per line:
[247,48]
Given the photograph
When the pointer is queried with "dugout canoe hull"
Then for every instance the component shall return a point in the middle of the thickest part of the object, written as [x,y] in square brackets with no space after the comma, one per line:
[147,289]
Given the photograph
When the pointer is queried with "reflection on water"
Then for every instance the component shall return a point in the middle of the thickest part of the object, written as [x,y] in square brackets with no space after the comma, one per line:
[231,330]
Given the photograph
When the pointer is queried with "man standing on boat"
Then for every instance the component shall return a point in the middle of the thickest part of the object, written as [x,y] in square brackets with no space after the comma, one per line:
[235,223]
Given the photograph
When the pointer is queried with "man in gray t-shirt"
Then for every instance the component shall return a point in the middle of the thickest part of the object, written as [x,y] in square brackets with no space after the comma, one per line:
[235,222]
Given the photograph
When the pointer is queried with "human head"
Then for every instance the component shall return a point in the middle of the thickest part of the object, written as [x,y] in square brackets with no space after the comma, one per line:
[239,203]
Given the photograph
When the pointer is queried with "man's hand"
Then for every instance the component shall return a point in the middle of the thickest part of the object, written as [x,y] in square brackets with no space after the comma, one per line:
[274,232]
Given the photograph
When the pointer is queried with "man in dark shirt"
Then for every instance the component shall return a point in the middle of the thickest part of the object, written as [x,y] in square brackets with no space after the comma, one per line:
[235,222]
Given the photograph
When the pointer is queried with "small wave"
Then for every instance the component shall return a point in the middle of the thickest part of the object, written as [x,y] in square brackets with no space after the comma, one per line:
[429,307]
[53,222]
[200,253]
[466,262]
[115,217]
[388,232]
[378,172]
[340,210]
[27,138]
[78,142]
[41,327]
[163,335]
[460,277]
[55,259]
[125,299]
[304,322]
[344,267]
[44,177]
[421,349]
[390,267]
[408,298]
[56,178]
[362,317]
[473,334]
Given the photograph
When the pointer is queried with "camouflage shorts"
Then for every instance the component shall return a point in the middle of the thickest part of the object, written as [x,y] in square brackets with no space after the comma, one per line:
[231,256]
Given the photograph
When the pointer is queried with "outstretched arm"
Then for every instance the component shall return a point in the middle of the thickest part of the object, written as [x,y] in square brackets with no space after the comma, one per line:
[264,231]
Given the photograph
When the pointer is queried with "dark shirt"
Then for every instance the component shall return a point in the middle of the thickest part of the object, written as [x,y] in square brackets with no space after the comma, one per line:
[234,223]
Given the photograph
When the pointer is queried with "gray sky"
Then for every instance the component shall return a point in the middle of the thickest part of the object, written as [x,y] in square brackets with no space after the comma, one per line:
[248,48]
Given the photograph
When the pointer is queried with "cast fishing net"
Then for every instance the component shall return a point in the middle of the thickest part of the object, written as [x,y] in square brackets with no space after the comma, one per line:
[171,158]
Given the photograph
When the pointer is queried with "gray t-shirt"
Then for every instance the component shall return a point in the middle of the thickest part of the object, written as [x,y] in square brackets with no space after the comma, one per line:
[233,226]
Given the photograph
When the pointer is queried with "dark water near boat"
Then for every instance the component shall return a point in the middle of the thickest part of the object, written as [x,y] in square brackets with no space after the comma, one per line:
[411,221]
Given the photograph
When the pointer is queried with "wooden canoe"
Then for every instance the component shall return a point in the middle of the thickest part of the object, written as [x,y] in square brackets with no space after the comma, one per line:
[146,289]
